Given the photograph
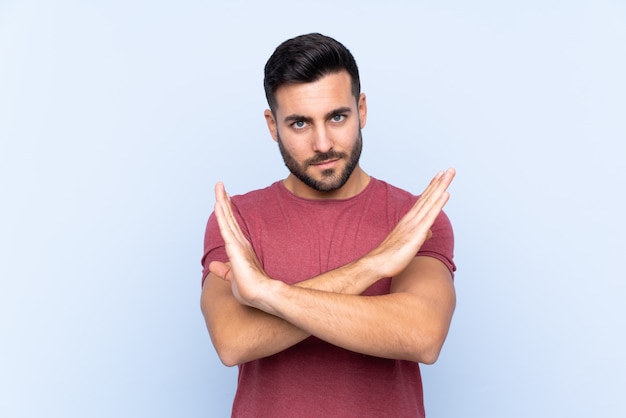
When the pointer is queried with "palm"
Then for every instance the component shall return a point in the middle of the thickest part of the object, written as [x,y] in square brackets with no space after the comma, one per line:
[244,271]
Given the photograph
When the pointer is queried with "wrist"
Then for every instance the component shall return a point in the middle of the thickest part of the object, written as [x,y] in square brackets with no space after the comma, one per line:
[365,270]
[270,291]
[369,265]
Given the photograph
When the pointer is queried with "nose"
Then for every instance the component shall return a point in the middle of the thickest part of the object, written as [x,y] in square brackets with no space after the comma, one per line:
[322,141]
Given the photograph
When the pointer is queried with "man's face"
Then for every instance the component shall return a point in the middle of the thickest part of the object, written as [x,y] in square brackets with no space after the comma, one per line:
[318,129]
[331,178]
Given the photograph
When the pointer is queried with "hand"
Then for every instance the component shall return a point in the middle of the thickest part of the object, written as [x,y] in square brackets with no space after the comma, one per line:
[404,241]
[244,271]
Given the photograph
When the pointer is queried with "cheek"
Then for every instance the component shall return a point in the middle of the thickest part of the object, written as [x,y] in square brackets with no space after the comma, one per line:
[347,137]
[293,150]
[295,146]
[297,154]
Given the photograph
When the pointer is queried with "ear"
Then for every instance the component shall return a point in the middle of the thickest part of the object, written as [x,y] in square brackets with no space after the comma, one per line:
[362,103]
[271,124]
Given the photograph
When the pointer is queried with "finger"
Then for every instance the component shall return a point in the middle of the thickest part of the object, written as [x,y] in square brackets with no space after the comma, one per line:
[435,209]
[433,191]
[234,238]
[439,184]
[227,229]
[220,269]
[419,226]
[222,198]
[440,194]
[433,183]
[224,208]
[431,199]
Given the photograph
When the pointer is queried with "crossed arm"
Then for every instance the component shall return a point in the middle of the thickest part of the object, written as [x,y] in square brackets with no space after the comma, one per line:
[249,315]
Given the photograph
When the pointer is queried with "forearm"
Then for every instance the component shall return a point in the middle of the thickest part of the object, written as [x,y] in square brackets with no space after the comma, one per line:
[368,325]
[409,324]
[351,279]
[242,333]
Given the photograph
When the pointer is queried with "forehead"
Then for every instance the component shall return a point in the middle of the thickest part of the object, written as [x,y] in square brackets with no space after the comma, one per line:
[329,92]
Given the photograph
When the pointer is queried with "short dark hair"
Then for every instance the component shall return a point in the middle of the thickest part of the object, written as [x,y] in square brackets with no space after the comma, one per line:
[305,59]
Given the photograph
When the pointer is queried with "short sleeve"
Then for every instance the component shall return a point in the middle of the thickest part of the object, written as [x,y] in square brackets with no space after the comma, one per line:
[441,244]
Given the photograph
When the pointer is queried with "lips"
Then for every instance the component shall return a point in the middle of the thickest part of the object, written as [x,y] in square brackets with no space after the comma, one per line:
[326,163]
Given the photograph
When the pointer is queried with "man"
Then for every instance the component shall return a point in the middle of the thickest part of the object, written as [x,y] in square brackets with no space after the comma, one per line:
[329,287]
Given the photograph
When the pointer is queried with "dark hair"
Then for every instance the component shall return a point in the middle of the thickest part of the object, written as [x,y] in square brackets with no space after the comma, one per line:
[305,59]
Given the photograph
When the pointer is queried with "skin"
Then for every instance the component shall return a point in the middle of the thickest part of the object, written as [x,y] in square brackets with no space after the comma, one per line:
[250,315]
[319,118]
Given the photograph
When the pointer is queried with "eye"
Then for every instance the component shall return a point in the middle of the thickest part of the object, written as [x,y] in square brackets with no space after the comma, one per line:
[338,118]
[300,124]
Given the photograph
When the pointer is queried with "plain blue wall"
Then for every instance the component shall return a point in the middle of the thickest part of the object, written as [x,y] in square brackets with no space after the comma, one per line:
[116,119]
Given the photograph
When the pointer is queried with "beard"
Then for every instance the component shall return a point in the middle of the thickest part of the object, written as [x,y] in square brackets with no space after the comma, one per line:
[331,179]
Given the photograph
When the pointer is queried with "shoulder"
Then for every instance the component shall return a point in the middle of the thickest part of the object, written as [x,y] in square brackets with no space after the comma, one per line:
[394,197]
[381,186]
[257,198]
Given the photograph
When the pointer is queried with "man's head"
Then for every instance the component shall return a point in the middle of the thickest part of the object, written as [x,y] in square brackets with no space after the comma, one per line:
[316,115]
[307,58]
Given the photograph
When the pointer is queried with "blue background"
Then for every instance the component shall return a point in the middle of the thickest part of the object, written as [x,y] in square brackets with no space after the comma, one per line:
[117,118]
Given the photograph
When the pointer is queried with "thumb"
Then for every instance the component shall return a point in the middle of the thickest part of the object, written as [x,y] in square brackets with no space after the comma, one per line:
[219,269]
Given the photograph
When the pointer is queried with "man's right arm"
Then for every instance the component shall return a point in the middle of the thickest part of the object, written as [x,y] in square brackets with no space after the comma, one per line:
[241,333]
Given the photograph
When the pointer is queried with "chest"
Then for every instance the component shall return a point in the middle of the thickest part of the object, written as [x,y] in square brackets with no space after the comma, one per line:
[294,245]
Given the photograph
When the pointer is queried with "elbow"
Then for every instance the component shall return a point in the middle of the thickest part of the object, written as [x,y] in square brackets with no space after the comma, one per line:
[230,349]
[430,355]
[222,342]
[227,358]
[227,353]
[429,347]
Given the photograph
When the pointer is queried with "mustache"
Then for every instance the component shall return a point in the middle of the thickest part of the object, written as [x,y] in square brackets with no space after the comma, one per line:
[324,156]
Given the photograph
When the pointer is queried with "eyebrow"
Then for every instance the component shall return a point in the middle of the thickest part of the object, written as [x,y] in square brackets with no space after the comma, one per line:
[295,117]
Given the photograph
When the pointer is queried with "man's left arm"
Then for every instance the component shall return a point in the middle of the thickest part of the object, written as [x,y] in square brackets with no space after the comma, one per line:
[410,323]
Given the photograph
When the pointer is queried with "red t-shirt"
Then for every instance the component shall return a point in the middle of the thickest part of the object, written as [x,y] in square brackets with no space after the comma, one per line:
[296,239]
